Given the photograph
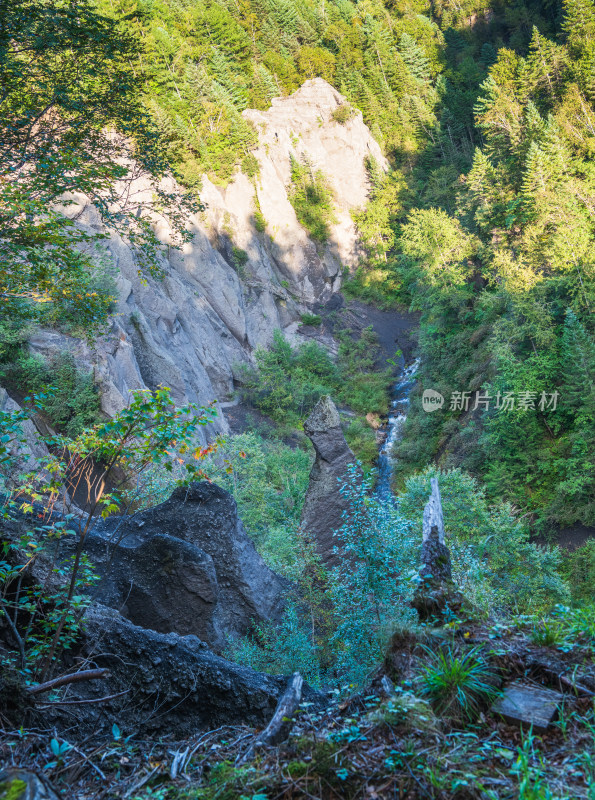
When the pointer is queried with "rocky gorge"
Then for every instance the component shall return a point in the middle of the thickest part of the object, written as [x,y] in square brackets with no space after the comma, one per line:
[240,557]
[193,328]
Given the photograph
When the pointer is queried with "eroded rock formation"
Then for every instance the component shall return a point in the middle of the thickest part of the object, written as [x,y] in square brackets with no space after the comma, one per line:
[186,566]
[322,514]
[436,597]
[192,329]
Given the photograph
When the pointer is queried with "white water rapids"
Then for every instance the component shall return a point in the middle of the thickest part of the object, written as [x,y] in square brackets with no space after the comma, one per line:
[396,420]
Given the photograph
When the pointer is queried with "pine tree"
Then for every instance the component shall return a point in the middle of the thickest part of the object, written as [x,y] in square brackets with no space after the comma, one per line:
[415,58]
[579,23]
[547,64]
[577,364]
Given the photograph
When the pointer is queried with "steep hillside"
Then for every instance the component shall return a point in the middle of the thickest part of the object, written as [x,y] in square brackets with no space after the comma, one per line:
[250,267]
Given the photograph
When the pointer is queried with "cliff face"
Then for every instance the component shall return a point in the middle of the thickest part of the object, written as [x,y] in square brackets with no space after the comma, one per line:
[193,328]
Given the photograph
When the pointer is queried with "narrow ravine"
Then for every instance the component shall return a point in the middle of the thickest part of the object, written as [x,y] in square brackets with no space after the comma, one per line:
[394,429]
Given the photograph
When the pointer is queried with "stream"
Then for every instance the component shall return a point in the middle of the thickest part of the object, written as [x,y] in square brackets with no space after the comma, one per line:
[394,429]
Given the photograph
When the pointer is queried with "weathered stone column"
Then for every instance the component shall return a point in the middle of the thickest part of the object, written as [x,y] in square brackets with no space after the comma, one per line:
[324,504]
[436,596]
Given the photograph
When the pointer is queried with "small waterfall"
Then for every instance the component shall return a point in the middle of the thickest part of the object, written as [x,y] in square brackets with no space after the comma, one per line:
[396,419]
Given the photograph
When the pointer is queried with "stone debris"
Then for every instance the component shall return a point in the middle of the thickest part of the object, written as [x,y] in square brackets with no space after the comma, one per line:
[530,706]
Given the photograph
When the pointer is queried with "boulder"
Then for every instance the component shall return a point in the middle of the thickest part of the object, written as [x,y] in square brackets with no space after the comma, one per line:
[186,566]
[162,682]
[324,505]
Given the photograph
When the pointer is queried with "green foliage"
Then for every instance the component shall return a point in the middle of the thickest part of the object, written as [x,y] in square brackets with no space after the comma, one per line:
[372,585]
[71,115]
[338,627]
[260,222]
[44,618]
[268,480]
[72,400]
[311,199]
[458,684]
[311,319]
[206,62]
[375,223]
[343,113]
[494,562]
[288,382]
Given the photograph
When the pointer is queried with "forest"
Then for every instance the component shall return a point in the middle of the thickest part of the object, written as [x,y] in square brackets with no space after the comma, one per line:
[482,228]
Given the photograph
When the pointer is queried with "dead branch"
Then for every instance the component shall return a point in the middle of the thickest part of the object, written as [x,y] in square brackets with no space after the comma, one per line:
[83,702]
[83,675]
[281,724]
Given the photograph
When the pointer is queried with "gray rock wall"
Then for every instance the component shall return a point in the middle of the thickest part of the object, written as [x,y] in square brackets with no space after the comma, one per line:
[193,329]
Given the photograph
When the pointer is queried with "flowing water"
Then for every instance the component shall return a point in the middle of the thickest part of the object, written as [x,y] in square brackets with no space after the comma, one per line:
[394,429]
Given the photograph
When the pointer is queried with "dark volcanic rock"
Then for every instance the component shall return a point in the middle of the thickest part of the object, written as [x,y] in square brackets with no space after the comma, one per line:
[186,566]
[172,684]
[324,504]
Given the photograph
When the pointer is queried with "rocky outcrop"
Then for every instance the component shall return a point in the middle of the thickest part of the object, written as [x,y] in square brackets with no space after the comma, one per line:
[324,505]
[186,566]
[25,448]
[194,328]
[436,598]
[163,683]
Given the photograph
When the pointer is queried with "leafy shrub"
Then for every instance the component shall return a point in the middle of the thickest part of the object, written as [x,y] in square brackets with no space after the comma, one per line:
[240,259]
[312,200]
[311,319]
[457,685]
[361,438]
[46,616]
[343,113]
[370,589]
[268,480]
[260,222]
[72,400]
[250,165]
[404,709]
[339,627]
[280,650]
[13,336]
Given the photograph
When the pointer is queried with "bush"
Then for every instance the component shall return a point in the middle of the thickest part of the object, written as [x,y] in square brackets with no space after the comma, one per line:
[339,627]
[288,382]
[371,588]
[260,222]
[343,113]
[268,480]
[457,685]
[312,200]
[72,400]
[311,319]
[361,438]
[250,165]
